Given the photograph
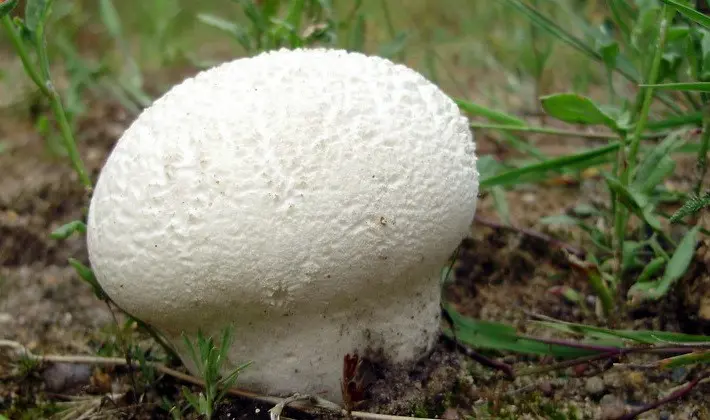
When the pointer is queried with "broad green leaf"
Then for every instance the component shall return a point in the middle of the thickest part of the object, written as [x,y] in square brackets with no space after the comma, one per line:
[525,173]
[689,12]
[676,267]
[6,6]
[576,109]
[36,13]
[687,86]
[651,269]
[65,231]
[683,255]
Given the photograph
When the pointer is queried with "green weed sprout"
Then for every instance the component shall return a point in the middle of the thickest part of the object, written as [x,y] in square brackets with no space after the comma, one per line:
[658,48]
[208,360]
[29,35]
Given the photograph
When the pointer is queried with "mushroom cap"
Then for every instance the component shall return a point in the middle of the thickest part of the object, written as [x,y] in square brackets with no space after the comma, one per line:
[284,183]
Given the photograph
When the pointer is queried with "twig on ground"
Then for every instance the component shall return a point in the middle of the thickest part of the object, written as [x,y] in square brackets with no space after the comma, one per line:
[275,412]
[533,234]
[313,402]
[676,395]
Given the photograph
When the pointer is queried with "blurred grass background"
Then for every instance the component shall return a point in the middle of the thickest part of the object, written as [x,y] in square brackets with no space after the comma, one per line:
[476,49]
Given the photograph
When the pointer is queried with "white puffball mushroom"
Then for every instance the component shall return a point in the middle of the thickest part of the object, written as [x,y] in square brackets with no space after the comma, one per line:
[307,198]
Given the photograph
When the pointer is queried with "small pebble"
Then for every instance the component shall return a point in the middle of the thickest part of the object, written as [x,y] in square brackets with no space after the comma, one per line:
[635,380]
[5,318]
[594,386]
[611,407]
[546,388]
[450,414]
[63,377]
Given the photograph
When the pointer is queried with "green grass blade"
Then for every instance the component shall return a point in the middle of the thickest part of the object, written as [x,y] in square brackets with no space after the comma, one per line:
[502,337]
[622,14]
[642,336]
[686,86]
[693,358]
[537,170]
[295,14]
[357,35]
[576,109]
[694,118]
[109,16]
[491,114]
[689,12]
[554,29]
[656,165]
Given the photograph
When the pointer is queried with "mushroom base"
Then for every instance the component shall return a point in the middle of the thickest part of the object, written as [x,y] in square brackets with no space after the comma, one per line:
[292,351]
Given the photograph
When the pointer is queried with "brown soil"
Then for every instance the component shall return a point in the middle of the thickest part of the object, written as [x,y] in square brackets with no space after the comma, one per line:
[504,276]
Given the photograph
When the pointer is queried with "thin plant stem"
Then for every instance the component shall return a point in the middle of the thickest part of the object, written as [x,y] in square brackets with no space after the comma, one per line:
[558,132]
[48,90]
[677,395]
[627,163]
[648,93]
[21,51]
[703,152]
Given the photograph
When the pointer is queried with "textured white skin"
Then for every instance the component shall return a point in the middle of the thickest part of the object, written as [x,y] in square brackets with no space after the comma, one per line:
[307,198]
